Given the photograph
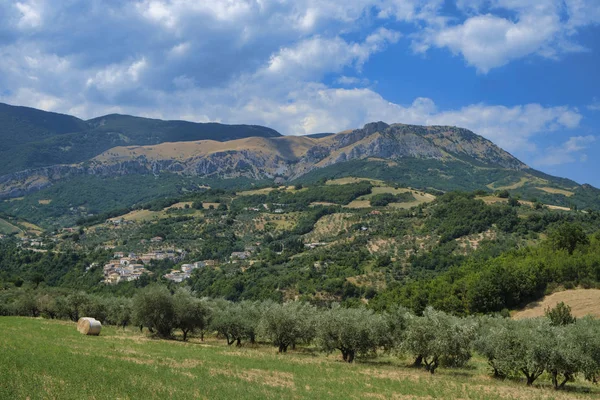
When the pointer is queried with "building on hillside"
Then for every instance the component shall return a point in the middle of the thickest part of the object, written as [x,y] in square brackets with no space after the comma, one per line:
[314,245]
[156,239]
[240,255]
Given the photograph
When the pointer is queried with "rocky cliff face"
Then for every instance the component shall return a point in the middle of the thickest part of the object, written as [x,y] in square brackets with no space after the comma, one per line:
[290,157]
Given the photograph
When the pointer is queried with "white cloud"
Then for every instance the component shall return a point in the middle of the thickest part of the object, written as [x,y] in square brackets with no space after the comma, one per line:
[31,14]
[315,56]
[492,39]
[566,152]
[595,105]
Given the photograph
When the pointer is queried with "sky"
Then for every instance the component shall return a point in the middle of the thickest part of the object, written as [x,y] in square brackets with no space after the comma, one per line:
[522,73]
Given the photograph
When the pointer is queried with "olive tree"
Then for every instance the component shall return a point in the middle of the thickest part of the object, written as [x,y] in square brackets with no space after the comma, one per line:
[437,338]
[519,347]
[191,313]
[584,334]
[119,311]
[353,331]
[287,324]
[493,341]
[236,321]
[153,308]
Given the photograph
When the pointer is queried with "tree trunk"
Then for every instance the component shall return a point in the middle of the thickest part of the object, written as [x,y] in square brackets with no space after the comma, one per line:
[350,356]
[418,361]
[202,336]
[433,365]
[345,355]
[239,342]
[185,332]
[568,377]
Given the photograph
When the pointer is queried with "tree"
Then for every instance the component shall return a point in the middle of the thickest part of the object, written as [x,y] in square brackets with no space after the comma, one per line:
[119,311]
[521,347]
[153,308]
[584,333]
[560,314]
[96,307]
[235,321]
[287,324]
[437,338]
[353,331]
[568,236]
[491,342]
[75,304]
[190,313]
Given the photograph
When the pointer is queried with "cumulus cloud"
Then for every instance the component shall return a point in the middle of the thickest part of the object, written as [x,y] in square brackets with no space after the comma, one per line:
[488,38]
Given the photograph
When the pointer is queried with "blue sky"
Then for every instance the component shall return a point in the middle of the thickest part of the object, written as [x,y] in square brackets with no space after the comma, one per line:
[522,73]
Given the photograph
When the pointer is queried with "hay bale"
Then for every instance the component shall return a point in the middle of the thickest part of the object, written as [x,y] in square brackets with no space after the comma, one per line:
[89,326]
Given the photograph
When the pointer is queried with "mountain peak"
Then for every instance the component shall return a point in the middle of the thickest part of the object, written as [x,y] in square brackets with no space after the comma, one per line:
[373,127]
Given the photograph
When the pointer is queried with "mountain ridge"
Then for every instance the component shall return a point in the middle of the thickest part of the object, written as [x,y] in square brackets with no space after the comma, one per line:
[34,138]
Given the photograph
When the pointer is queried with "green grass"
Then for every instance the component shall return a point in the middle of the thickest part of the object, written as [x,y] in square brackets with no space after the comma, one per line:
[49,359]
[6,228]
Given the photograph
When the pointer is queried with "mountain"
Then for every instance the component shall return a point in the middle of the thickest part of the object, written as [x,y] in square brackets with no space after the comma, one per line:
[435,157]
[33,138]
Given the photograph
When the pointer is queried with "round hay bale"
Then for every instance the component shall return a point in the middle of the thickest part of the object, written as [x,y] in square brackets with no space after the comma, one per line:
[89,326]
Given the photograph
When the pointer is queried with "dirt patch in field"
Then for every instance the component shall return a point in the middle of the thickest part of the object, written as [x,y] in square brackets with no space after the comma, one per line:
[396,375]
[472,242]
[582,302]
[268,378]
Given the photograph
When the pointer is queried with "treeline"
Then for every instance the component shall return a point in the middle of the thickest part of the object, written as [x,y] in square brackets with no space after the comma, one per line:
[383,199]
[457,214]
[302,197]
[567,258]
[558,345]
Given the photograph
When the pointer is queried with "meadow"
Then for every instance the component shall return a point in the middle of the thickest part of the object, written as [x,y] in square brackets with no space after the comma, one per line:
[42,359]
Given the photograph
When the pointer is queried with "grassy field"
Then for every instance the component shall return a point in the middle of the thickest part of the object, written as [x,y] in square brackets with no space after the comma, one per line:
[582,302]
[42,359]
[6,228]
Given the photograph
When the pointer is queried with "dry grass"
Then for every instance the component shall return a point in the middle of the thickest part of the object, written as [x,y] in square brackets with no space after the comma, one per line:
[582,302]
[45,201]
[180,205]
[556,191]
[351,179]
[286,147]
[515,185]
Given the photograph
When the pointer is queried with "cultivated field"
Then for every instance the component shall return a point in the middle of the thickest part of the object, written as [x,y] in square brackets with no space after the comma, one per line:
[582,302]
[42,359]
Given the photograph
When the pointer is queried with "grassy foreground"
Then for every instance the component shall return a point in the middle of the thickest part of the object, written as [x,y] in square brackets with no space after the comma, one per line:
[42,359]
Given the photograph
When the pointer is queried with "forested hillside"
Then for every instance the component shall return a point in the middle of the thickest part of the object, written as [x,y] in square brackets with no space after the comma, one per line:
[347,240]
